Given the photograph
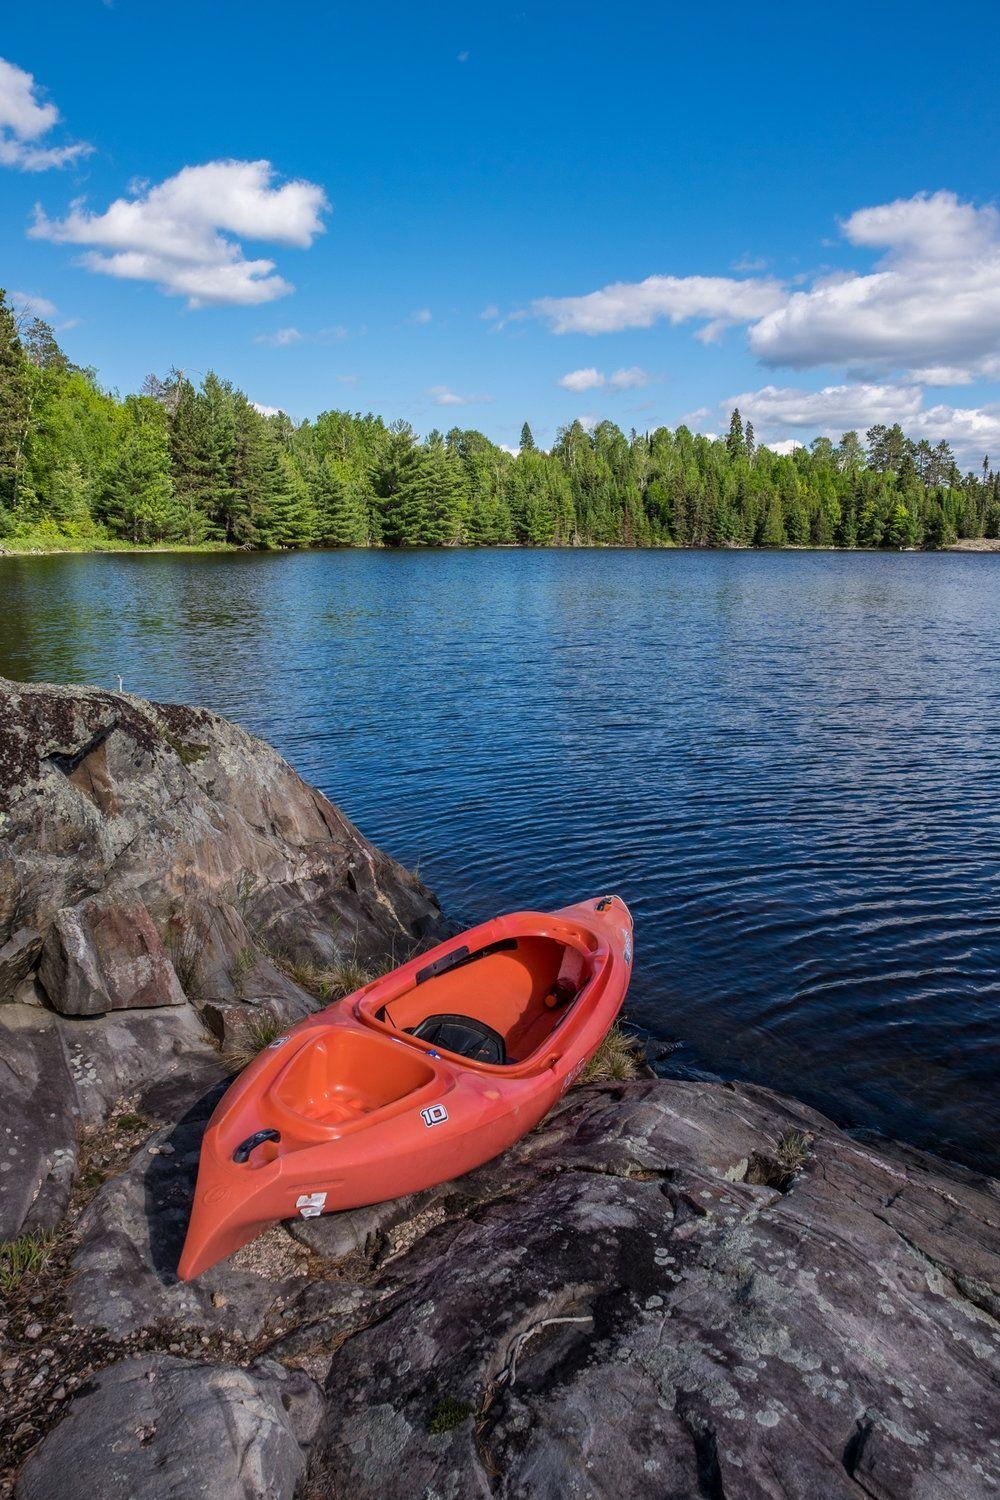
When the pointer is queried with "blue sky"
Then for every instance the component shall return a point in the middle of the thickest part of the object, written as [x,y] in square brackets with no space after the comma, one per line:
[450,195]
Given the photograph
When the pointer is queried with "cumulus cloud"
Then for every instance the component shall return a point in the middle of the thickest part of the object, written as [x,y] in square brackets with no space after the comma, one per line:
[581,380]
[972,431]
[590,379]
[24,120]
[929,307]
[631,379]
[266,411]
[932,302]
[717,301]
[181,234]
[27,304]
[441,396]
[835,408]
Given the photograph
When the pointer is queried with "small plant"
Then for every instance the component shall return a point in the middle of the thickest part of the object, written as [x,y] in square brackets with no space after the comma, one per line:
[242,892]
[243,966]
[619,1057]
[794,1149]
[777,1170]
[345,977]
[128,1122]
[330,983]
[447,1414]
[25,1256]
[185,942]
[259,1032]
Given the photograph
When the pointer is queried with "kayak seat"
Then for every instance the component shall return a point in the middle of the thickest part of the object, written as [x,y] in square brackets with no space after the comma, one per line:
[465,1035]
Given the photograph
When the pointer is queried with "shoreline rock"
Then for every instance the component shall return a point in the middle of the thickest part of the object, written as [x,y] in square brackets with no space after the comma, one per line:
[671,1287]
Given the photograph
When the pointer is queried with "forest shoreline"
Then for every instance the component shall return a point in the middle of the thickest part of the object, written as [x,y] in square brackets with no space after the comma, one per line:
[62,547]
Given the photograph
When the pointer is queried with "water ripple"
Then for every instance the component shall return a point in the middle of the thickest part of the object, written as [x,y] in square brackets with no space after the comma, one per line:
[787,764]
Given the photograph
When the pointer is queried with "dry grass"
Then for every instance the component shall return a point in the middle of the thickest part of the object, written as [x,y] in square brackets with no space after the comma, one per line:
[259,1032]
[331,982]
[23,1257]
[794,1149]
[620,1056]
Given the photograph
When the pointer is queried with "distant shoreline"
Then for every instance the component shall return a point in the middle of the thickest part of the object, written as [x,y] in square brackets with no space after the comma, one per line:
[95,548]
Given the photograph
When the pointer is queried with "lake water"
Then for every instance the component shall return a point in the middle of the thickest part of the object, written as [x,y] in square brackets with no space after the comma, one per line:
[787,764]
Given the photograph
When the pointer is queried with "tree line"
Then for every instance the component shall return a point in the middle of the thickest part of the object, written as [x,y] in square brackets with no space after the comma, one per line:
[196,465]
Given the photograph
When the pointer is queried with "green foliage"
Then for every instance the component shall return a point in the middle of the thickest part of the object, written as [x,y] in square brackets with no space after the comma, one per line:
[181,465]
[447,1414]
[23,1258]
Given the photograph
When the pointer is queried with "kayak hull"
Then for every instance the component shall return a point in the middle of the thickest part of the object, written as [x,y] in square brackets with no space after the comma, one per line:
[353,1106]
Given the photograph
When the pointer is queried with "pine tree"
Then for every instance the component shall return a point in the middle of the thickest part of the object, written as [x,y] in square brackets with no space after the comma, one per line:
[735,442]
[342,510]
[527,440]
[14,412]
[137,501]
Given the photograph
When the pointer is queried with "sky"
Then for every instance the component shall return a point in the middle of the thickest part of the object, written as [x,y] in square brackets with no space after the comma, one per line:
[478,216]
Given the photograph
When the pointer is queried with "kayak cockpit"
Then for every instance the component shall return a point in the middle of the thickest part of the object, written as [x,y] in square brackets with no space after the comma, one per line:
[341,1077]
[496,1006]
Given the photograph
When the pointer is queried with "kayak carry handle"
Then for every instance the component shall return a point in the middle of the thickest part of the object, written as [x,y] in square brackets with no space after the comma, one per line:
[242,1152]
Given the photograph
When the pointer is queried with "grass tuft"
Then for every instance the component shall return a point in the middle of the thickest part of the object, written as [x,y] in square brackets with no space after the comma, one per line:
[794,1149]
[259,1031]
[620,1056]
[328,983]
[23,1257]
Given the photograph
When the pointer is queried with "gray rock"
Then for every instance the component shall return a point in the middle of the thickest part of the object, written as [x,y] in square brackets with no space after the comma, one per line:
[159,1428]
[615,1309]
[228,850]
[17,959]
[155,861]
[131,1235]
[105,954]
[37,1122]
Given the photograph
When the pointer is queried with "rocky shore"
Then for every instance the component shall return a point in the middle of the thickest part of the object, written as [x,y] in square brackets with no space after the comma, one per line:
[670,1289]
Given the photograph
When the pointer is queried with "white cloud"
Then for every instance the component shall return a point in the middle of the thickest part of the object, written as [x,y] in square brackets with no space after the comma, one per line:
[266,411]
[421,316]
[284,338]
[593,380]
[784,446]
[588,421]
[719,299]
[179,233]
[750,263]
[441,396]
[348,379]
[972,431]
[928,309]
[631,379]
[280,339]
[489,313]
[932,303]
[24,120]
[835,408]
[26,303]
[581,380]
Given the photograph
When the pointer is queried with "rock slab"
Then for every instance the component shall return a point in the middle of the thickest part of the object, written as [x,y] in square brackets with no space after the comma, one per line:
[149,1428]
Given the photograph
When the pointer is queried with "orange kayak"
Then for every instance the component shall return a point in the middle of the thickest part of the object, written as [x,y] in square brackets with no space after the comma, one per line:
[414,1079]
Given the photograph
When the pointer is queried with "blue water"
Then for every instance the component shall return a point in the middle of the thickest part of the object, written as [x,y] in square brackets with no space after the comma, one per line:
[787,763]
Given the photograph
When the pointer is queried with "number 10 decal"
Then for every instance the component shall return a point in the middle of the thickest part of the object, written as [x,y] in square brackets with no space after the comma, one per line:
[434,1114]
